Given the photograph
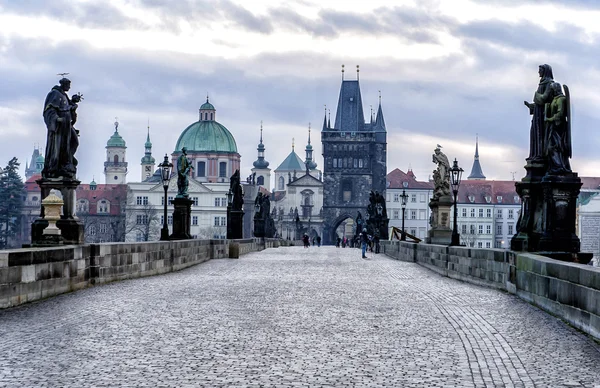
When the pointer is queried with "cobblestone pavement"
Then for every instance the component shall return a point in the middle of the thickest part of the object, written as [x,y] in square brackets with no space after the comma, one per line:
[292,317]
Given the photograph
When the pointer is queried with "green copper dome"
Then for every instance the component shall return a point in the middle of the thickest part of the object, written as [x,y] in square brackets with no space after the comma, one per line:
[115,140]
[207,136]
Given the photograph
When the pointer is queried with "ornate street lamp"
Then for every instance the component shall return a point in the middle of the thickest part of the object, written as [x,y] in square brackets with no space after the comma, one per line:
[229,198]
[455,175]
[404,198]
[166,168]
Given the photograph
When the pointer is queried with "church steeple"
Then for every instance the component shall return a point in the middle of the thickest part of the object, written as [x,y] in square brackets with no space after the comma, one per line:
[261,166]
[476,172]
[115,167]
[148,161]
[325,120]
[309,162]
[379,121]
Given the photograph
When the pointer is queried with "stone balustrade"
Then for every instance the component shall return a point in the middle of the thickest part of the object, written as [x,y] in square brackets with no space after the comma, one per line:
[568,290]
[31,274]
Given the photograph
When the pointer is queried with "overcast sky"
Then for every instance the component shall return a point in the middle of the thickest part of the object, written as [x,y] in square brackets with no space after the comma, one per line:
[447,70]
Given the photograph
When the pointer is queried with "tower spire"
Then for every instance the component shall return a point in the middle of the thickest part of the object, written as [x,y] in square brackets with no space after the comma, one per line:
[293,140]
[325,119]
[342,72]
[357,72]
[261,129]
[476,171]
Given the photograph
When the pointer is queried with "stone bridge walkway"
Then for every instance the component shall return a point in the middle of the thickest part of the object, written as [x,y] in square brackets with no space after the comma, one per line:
[292,317]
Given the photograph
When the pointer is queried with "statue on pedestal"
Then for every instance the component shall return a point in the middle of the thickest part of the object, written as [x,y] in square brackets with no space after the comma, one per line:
[441,176]
[62,139]
[183,170]
[558,148]
[541,97]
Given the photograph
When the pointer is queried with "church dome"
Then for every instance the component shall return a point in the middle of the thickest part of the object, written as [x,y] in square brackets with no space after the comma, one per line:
[207,136]
[207,105]
[116,140]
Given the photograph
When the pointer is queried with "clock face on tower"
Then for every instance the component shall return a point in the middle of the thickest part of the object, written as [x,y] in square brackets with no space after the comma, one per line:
[148,168]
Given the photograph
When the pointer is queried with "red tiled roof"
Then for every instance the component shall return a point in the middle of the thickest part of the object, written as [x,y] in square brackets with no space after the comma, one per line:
[479,190]
[396,178]
[115,194]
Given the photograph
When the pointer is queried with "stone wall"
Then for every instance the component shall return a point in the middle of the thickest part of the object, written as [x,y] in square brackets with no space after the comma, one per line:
[32,274]
[567,290]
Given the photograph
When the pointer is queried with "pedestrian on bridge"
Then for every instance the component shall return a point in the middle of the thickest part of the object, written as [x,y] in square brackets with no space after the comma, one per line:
[364,240]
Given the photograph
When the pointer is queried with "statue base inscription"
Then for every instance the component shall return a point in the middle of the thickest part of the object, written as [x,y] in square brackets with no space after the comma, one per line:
[182,216]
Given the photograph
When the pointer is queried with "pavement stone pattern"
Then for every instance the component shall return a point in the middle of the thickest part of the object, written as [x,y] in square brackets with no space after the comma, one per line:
[292,317]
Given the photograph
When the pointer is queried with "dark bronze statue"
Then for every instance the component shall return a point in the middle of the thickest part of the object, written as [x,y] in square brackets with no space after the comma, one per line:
[236,189]
[183,169]
[542,96]
[558,129]
[62,139]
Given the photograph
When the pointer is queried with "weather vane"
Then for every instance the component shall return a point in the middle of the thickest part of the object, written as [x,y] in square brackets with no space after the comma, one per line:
[63,74]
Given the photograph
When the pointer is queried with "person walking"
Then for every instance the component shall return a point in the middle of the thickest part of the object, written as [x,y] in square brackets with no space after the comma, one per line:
[364,240]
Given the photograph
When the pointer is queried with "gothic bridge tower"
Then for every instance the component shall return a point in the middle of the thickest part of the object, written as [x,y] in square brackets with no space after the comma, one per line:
[354,152]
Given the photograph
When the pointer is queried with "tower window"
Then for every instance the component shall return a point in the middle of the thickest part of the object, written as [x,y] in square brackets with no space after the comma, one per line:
[211,116]
[201,171]
[223,169]
[205,116]
[116,158]
[260,180]
[347,191]
[281,183]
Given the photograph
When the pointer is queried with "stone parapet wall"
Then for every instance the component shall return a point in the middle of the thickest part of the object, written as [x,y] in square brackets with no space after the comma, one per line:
[32,274]
[567,290]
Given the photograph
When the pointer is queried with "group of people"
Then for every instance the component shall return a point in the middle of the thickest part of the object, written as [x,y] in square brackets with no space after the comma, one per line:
[316,240]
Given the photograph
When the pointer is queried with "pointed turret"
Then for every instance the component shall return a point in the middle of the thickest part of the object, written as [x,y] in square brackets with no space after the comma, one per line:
[349,116]
[261,166]
[325,120]
[148,160]
[309,162]
[476,172]
[379,121]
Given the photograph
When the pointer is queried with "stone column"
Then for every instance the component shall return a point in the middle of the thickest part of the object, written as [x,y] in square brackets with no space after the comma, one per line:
[182,216]
[440,232]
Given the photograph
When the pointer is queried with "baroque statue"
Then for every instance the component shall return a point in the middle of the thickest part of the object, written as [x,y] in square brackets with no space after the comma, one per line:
[236,190]
[441,175]
[557,120]
[541,97]
[183,169]
[62,139]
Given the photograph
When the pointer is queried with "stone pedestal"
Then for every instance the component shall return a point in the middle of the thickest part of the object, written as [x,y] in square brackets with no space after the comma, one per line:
[71,228]
[182,218]
[259,227]
[559,213]
[440,232]
[529,226]
[235,224]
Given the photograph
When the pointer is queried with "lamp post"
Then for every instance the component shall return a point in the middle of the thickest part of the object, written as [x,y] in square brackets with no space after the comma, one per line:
[229,203]
[455,175]
[165,174]
[404,198]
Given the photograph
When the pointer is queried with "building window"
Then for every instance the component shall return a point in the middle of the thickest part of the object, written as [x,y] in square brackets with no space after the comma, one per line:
[510,229]
[511,214]
[395,214]
[472,229]
[217,202]
[463,228]
[281,183]
[488,229]
[223,221]
[422,215]
[195,199]
[498,244]
[222,169]
[473,213]
[194,220]
[260,180]
[138,200]
[102,227]
[413,232]
[413,214]
[422,197]
[499,199]
[141,219]
[488,244]
[499,229]
[480,229]
[216,223]
[201,171]
[396,197]
[334,162]
[360,163]
[92,230]
[162,220]
[346,191]
[170,220]
[413,198]
[464,212]
[479,244]
[116,159]
[499,213]
[141,200]
[139,236]
[488,213]
[480,213]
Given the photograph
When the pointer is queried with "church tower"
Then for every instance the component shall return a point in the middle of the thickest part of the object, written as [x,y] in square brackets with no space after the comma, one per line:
[115,167]
[36,165]
[476,172]
[310,163]
[261,166]
[355,159]
[148,161]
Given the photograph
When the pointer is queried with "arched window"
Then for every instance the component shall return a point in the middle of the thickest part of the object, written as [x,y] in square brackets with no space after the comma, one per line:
[260,180]
[205,116]
[211,116]
[116,158]
[281,183]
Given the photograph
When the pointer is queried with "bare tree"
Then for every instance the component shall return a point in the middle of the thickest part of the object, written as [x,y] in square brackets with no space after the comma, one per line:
[141,219]
[468,236]
[209,232]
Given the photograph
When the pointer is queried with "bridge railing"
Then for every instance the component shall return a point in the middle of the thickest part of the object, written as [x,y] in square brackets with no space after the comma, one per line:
[32,274]
[568,290]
